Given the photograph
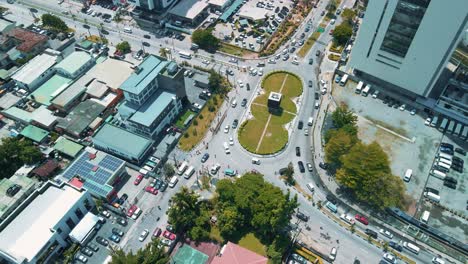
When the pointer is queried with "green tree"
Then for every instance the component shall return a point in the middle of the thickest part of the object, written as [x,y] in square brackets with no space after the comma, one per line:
[124,47]
[230,220]
[168,169]
[343,116]
[14,153]
[163,52]
[289,174]
[216,83]
[150,254]
[201,228]
[342,33]
[184,210]
[348,15]
[54,23]
[205,39]
[338,145]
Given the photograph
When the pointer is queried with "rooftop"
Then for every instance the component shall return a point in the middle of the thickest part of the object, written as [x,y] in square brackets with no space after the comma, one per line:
[152,108]
[112,72]
[189,8]
[189,255]
[50,89]
[96,89]
[235,254]
[18,114]
[28,39]
[4,23]
[146,72]
[67,147]
[46,169]
[34,133]
[250,11]
[96,170]
[8,203]
[74,61]
[84,227]
[32,70]
[75,90]
[44,116]
[8,100]
[31,229]
[218,2]
[275,96]
[122,141]
[228,13]
[80,117]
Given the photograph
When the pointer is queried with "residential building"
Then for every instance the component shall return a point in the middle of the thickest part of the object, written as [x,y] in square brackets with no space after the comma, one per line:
[67,147]
[6,25]
[95,171]
[122,143]
[28,43]
[39,227]
[9,202]
[233,253]
[37,135]
[152,97]
[405,48]
[77,122]
[75,64]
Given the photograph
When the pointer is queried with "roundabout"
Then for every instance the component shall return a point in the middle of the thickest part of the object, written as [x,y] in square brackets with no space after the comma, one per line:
[265,131]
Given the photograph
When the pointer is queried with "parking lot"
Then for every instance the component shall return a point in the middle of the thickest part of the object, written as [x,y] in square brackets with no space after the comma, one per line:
[242,32]
[410,144]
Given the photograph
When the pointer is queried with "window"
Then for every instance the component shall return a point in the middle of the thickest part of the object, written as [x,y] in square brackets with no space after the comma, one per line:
[59,230]
[70,223]
[78,213]
[403,26]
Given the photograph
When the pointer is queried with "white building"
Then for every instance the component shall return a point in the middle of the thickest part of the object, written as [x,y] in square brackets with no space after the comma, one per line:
[75,64]
[40,226]
[37,71]
[404,46]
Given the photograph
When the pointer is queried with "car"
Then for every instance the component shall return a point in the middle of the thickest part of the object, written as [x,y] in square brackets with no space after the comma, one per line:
[402,107]
[437,260]
[412,111]
[395,246]
[92,246]
[163,186]
[311,84]
[138,179]
[131,210]
[117,232]
[311,61]
[301,166]
[298,151]
[300,125]
[361,219]
[322,13]
[302,216]
[371,233]
[317,53]
[167,242]
[451,185]
[106,213]
[87,251]
[244,102]
[386,233]
[102,241]
[153,159]
[158,184]
[324,90]
[296,258]
[331,198]
[348,219]
[157,232]
[169,235]
[143,235]
[241,84]
[309,166]
[323,165]
[317,105]
[81,258]
[389,257]
[460,151]
[147,36]
[205,157]
[151,190]
[428,121]
[231,141]
[306,132]
[115,238]
[226,129]
[121,221]
[317,96]
[235,123]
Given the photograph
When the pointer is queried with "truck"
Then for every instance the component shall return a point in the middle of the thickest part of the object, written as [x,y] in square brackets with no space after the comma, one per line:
[432,196]
[359,87]
[366,90]
[344,80]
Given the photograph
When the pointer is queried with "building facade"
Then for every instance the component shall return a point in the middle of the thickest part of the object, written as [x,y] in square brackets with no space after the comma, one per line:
[149,5]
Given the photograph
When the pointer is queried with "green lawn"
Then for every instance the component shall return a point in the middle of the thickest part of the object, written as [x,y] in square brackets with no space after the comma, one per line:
[182,118]
[250,242]
[274,140]
[250,133]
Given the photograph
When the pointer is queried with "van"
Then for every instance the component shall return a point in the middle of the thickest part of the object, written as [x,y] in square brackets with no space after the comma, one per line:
[255,161]
[359,87]
[311,187]
[137,213]
[425,217]
[432,196]
[189,172]
[127,30]
[443,165]
[332,253]
[444,155]
[234,103]
[411,247]
[438,174]
[148,168]
[173,181]
[143,171]
[332,207]
[182,168]
[446,161]
[311,120]
[408,174]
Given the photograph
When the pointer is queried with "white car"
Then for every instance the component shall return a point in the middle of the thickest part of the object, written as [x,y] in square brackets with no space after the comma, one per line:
[437,260]
[322,82]
[386,233]
[324,90]
[309,167]
[241,84]
[82,258]
[143,235]
[231,141]
[348,219]
[428,121]
[226,129]
[153,159]
[260,72]
[306,132]
[413,111]
[215,168]
[106,214]
[390,258]
[402,107]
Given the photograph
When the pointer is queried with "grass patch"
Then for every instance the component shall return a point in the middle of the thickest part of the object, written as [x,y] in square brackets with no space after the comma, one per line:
[181,120]
[274,140]
[197,133]
[334,57]
[308,44]
[250,133]
[336,49]
[397,130]
[233,50]
[250,242]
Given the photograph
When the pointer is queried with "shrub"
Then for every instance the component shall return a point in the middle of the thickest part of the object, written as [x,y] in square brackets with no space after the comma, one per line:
[195,122]
[200,116]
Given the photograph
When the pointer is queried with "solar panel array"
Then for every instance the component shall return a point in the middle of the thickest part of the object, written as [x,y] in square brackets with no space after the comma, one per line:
[111,163]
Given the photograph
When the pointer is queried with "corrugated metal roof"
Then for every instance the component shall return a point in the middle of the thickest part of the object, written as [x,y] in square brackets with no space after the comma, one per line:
[146,72]
[152,108]
[34,133]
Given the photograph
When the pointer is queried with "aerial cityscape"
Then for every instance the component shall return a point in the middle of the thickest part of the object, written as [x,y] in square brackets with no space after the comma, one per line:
[233,131]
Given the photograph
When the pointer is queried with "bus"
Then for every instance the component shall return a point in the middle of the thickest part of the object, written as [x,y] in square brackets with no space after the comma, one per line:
[450,127]
[359,87]
[443,125]
[366,90]
[344,80]
[185,55]
[434,121]
[457,129]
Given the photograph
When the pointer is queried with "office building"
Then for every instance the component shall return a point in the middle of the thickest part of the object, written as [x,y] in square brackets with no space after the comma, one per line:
[150,5]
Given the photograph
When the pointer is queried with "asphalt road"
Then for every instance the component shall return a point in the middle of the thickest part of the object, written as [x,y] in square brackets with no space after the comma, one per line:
[349,246]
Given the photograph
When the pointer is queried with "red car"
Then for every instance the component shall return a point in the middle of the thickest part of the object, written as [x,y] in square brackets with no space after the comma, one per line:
[131,210]
[362,219]
[138,179]
[169,235]
[151,190]
[157,232]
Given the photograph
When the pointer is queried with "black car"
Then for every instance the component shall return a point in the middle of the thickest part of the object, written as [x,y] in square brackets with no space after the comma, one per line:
[163,186]
[311,61]
[302,216]
[88,252]
[301,166]
[282,171]
[13,189]
[371,233]
[451,185]
[331,198]
[147,36]
[457,163]
[446,145]
[124,197]
[298,151]
[317,53]
[323,165]
[235,123]
[311,84]
[146,44]
[122,221]
[93,246]
[440,168]
[451,179]
[317,96]
[460,151]
[102,241]
[457,159]
[118,232]
[457,169]
[248,86]
[300,125]
[395,246]
[158,184]
[244,102]
[205,157]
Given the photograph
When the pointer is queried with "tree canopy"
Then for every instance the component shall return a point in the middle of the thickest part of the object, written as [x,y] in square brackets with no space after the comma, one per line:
[340,143]
[342,33]
[14,153]
[342,116]
[54,23]
[124,47]
[216,83]
[150,254]
[348,15]
[205,39]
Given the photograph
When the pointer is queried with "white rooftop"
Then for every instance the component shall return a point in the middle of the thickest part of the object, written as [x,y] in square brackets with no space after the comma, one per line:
[44,116]
[218,2]
[29,232]
[189,8]
[84,227]
[112,72]
[34,68]
[250,11]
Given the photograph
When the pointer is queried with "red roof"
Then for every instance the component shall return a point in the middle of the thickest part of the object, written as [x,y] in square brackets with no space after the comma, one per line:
[76,182]
[27,38]
[46,169]
[235,254]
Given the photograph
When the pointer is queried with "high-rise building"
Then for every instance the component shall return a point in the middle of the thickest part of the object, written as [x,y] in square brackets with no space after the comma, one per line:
[149,5]
[405,47]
